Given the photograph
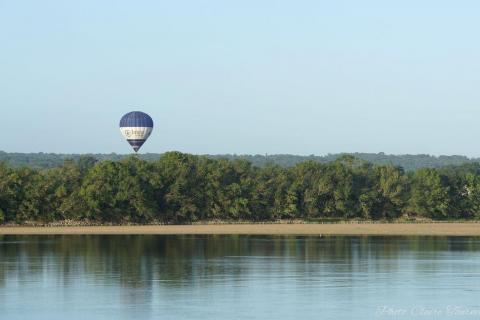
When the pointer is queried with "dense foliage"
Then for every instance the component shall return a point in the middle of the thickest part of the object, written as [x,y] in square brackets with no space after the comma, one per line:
[408,162]
[179,188]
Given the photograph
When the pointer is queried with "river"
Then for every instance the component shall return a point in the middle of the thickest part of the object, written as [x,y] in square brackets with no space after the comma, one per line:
[239,277]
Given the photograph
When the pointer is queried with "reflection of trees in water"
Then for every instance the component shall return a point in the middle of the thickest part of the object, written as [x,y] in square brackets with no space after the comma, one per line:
[141,261]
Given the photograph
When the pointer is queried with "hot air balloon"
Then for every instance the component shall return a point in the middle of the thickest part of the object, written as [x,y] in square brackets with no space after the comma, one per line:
[136,127]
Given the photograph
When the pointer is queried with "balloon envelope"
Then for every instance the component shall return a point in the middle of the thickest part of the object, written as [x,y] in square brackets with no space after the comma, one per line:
[136,127]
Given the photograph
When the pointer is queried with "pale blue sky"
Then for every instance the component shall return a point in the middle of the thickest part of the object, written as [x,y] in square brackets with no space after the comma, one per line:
[302,77]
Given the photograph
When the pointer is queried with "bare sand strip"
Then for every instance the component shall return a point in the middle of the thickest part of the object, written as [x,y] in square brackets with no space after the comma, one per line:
[385,229]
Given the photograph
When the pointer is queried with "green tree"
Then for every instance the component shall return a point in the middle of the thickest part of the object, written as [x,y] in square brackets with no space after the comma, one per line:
[429,194]
[385,193]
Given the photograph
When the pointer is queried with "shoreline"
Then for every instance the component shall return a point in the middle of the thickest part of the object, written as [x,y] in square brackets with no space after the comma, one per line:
[381,229]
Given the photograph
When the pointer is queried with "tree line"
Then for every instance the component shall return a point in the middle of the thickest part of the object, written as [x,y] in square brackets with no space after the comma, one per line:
[408,162]
[183,188]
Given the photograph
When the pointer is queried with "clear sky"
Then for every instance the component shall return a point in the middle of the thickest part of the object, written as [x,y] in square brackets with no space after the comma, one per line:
[249,76]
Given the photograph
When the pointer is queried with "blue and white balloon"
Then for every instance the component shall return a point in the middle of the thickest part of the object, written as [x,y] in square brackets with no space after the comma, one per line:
[136,127]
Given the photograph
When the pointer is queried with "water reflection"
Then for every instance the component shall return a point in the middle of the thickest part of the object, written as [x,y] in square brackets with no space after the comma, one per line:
[224,276]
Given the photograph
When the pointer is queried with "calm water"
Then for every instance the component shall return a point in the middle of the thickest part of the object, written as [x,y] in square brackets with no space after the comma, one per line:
[239,277]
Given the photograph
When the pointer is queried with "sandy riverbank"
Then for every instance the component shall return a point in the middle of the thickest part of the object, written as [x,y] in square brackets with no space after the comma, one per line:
[453,229]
